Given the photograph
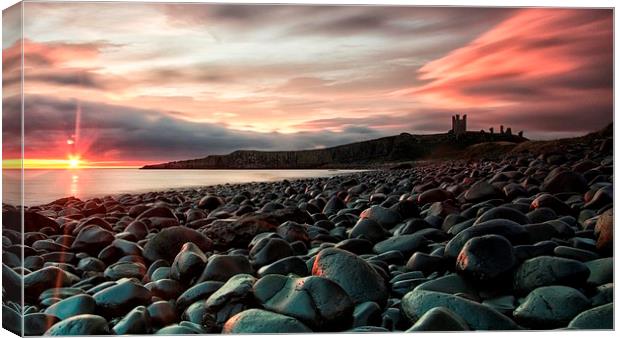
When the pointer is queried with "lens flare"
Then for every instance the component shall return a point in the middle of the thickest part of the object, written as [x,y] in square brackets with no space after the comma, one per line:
[74,162]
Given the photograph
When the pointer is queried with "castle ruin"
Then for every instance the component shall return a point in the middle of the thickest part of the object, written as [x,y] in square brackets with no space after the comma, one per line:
[459,127]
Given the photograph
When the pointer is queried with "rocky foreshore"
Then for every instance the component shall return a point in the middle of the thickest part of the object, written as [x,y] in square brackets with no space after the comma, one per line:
[524,242]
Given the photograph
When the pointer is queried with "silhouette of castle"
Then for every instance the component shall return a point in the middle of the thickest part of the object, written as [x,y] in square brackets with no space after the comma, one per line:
[459,127]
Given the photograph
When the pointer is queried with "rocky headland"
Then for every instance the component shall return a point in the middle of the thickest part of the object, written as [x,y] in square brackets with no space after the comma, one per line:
[367,154]
[523,240]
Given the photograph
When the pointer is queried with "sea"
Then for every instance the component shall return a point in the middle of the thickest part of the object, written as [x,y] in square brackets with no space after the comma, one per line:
[44,186]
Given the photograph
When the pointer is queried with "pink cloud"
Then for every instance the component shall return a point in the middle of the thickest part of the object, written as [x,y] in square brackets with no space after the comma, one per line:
[547,56]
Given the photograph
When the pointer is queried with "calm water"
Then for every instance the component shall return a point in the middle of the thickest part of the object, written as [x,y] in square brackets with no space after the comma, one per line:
[44,186]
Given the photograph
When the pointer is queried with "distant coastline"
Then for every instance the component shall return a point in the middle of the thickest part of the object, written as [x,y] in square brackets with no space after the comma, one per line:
[370,154]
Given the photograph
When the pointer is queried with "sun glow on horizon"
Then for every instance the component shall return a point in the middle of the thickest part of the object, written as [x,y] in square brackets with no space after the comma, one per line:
[74,162]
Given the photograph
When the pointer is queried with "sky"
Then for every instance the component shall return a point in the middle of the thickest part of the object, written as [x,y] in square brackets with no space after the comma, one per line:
[139,83]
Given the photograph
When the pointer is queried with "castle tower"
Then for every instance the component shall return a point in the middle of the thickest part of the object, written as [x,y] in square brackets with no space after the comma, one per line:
[459,126]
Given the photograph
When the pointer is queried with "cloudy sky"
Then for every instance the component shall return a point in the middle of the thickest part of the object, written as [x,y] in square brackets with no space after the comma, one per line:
[147,83]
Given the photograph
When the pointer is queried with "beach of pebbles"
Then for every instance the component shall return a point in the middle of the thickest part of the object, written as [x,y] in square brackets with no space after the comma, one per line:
[520,243]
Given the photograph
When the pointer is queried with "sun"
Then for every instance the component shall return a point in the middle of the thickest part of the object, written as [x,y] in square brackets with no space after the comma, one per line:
[74,162]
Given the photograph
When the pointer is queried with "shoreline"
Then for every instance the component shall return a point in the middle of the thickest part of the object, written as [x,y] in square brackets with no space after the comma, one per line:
[475,244]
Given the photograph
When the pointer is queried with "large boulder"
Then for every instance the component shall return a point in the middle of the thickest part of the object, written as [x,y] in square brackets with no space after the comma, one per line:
[318,302]
[598,318]
[261,321]
[486,258]
[550,307]
[477,316]
[547,270]
[357,277]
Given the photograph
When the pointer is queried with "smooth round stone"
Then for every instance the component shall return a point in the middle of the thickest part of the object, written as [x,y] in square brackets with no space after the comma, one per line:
[49,246]
[138,229]
[261,321]
[357,277]
[195,313]
[564,181]
[333,205]
[400,288]
[604,295]
[12,284]
[11,320]
[92,239]
[433,195]
[168,242]
[550,307]
[233,297]
[406,244]
[35,324]
[116,300]
[439,319]
[426,263]
[598,318]
[120,270]
[72,306]
[551,202]
[118,249]
[61,293]
[573,253]
[285,266]
[210,202]
[200,291]
[165,288]
[91,264]
[512,231]
[503,304]
[601,271]
[546,270]
[222,267]
[49,277]
[188,263]
[369,229]
[540,215]
[162,272]
[269,250]
[385,217]
[80,325]
[135,322]
[292,232]
[486,258]
[318,302]
[450,284]
[177,329]
[481,191]
[525,252]
[503,213]
[411,226]
[366,314]
[477,316]
[357,246]
[161,314]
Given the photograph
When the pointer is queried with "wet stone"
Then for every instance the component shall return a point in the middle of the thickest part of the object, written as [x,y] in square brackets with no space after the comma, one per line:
[72,306]
[318,302]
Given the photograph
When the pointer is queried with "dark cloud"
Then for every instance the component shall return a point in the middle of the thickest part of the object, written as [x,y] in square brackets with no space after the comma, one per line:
[150,135]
